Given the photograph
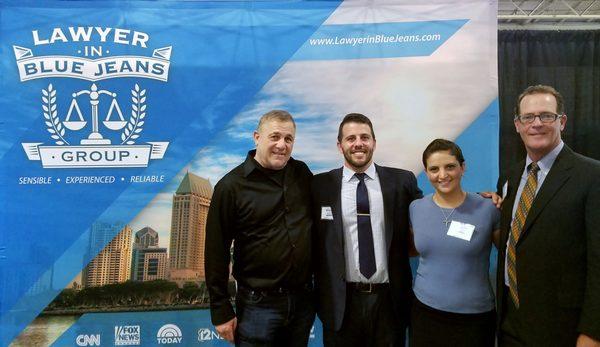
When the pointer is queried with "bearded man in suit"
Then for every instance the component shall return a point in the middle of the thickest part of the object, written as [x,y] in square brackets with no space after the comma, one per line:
[362,273]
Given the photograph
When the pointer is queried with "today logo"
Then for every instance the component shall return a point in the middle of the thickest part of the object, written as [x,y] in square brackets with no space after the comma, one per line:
[169,334]
[88,126]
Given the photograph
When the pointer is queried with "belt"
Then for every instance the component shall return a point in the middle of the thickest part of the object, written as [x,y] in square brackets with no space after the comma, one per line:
[361,287]
[276,291]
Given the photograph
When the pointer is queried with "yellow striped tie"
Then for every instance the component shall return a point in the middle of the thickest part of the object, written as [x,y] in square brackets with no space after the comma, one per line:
[516,228]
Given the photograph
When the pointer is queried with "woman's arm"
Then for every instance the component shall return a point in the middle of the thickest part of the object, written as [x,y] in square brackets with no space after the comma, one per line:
[496,238]
[412,250]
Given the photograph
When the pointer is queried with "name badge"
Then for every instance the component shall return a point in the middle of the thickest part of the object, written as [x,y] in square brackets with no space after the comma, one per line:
[326,213]
[461,230]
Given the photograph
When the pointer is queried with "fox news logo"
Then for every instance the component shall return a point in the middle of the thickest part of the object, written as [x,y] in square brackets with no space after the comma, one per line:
[127,335]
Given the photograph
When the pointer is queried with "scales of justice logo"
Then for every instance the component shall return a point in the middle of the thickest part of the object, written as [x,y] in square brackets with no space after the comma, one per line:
[83,134]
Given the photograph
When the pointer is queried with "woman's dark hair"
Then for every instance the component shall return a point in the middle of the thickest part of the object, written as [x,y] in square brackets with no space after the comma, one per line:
[441,145]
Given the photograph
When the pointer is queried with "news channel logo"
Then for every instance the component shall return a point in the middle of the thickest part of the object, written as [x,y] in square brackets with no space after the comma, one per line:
[127,335]
[207,334]
[169,334]
[88,340]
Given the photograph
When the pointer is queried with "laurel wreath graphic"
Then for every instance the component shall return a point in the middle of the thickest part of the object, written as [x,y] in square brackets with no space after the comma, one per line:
[138,113]
[53,124]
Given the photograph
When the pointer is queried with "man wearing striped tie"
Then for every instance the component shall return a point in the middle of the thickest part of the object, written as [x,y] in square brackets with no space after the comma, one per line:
[549,261]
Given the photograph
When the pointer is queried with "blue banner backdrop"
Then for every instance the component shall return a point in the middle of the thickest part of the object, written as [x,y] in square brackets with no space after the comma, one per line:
[111,110]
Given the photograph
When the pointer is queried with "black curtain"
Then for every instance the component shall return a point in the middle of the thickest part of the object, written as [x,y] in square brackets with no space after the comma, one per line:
[567,60]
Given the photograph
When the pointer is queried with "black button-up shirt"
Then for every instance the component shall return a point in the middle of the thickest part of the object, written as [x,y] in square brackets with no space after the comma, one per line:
[267,216]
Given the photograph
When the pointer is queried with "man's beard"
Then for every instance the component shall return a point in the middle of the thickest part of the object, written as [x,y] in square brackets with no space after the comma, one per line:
[356,164]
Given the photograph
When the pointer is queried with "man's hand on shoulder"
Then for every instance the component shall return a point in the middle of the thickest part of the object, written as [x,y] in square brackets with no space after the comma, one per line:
[227,330]
[496,199]
[586,341]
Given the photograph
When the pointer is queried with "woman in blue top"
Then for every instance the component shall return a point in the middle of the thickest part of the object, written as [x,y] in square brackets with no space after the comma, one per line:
[453,232]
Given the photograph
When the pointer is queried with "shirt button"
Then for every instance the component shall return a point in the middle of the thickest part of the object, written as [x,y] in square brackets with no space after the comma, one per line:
[293,245]
[287,209]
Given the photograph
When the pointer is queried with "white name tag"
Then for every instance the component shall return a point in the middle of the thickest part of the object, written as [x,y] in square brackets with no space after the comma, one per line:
[326,213]
[461,230]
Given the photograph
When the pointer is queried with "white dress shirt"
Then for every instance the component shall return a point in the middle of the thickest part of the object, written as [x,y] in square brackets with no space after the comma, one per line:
[349,219]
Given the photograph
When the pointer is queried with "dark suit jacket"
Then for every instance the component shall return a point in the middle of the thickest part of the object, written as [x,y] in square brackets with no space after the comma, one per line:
[558,253]
[399,188]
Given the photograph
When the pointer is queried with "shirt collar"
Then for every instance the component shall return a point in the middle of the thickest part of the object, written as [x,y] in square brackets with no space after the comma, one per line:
[250,164]
[548,160]
[349,173]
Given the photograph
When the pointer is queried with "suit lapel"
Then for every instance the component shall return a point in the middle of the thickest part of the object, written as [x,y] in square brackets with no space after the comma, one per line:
[558,175]
[388,187]
[337,206]
[513,186]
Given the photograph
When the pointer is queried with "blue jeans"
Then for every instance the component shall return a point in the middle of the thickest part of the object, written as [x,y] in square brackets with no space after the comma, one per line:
[274,319]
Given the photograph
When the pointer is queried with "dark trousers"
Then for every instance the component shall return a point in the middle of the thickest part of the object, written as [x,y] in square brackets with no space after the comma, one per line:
[510,326]
[369,320]
[519,327]
[431,328]
[274,319]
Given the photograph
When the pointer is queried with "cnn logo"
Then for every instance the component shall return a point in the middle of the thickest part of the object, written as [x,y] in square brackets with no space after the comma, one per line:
[88,340]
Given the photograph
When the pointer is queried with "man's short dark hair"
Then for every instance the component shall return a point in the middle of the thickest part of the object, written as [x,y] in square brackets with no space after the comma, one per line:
[442,145]
[541,89]
[278,115]
[355,118]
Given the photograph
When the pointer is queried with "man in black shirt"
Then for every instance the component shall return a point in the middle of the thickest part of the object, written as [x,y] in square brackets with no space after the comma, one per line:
[264,206]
